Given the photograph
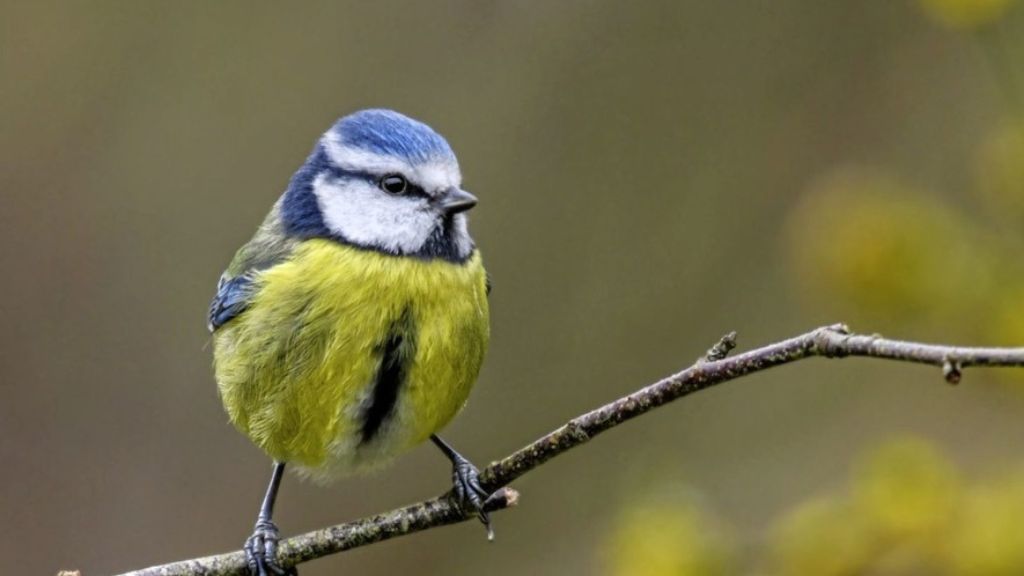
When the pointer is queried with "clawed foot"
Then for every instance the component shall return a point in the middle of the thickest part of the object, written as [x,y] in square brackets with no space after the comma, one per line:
[468,492]
[261,551]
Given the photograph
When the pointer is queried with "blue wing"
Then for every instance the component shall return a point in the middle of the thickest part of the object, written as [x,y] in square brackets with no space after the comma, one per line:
[269,246]
[233,297]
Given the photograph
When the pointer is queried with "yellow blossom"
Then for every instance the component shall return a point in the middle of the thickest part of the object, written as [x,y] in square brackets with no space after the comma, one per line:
[907,490]
[988,539]
[823,537]
[669,536]
[965,14]
[874,249]
[1000,170]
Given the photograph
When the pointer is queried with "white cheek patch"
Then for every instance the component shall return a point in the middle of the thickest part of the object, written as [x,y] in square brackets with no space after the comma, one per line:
[361,213]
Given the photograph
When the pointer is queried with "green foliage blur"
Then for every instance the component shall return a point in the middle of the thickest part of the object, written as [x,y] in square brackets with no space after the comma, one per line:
[909,261]
[873,244]
[868,241]
[966,14]
[908,511]
[652,175]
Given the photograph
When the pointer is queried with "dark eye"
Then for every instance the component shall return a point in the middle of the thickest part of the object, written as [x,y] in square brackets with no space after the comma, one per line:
[394,184]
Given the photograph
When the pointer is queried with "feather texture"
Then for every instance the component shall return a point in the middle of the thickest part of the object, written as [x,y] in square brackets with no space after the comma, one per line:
[297,371]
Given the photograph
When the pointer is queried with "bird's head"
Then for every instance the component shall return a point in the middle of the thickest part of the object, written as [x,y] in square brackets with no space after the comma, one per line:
[383,181]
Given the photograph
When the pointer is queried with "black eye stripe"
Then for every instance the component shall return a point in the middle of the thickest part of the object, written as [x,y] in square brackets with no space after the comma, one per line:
[376,180]
[398,185]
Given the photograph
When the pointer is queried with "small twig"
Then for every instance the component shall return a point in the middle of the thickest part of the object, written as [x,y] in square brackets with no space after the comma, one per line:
[721,348]
[830,342]
[951,371]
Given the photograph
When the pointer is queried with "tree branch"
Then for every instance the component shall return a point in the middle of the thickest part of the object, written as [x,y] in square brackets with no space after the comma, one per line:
[714,368]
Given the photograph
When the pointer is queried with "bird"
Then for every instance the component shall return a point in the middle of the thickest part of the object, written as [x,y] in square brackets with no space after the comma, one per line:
[353,325]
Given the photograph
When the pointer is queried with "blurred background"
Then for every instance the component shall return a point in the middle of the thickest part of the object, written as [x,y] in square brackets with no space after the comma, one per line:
[652,175]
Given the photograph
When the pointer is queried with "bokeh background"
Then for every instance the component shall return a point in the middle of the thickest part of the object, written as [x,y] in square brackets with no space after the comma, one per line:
[652,175]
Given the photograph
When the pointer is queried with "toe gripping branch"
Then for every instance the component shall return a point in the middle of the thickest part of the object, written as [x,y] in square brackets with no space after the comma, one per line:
[261,551]
[261,547]
[467,492]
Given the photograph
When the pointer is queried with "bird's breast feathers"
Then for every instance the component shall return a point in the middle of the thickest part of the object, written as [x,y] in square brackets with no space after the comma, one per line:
[345,356]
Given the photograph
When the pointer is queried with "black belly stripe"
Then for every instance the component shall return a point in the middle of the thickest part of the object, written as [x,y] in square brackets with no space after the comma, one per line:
[396,353]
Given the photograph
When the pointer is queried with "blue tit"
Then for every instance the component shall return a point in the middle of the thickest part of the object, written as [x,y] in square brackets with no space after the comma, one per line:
[353,325]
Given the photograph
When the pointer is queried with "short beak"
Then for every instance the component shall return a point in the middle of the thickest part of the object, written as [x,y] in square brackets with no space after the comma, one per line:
[455,200]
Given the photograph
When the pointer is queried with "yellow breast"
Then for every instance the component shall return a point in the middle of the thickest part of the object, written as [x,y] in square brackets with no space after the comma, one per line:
[303,368]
